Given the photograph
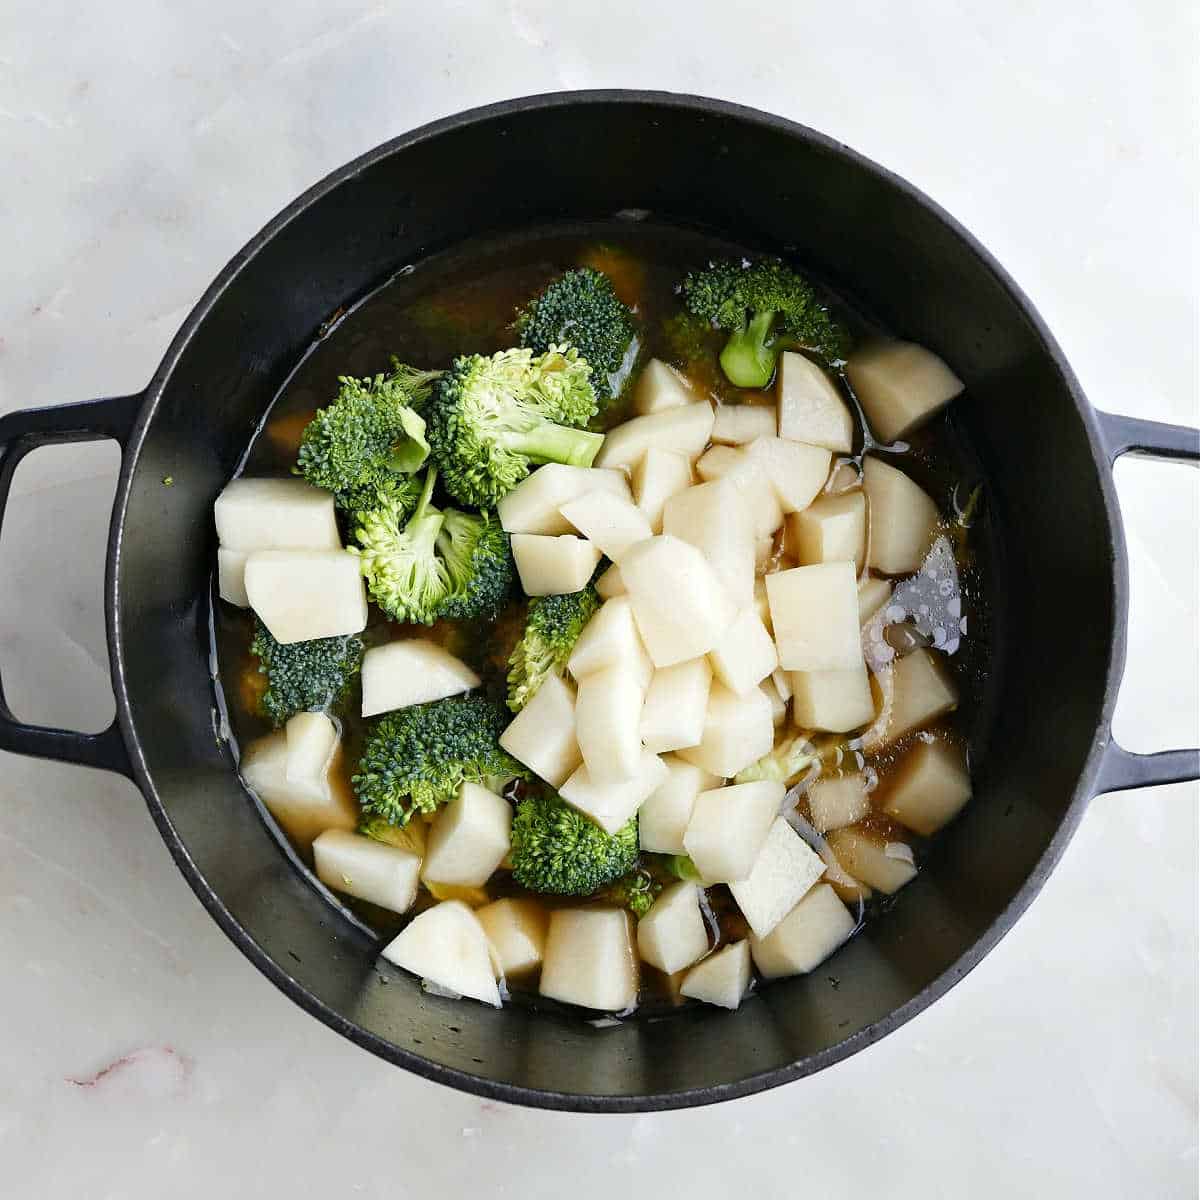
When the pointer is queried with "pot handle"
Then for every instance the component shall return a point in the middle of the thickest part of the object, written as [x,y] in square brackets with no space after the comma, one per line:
[21,432]
[1120,768]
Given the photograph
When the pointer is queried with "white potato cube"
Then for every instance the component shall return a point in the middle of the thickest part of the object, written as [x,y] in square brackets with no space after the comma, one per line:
[590,959]
[738,730]
[446,946]
[533,505]
[811,408]
[610,583]
[837,801]
[837,701]
[516,931]
[900,386]
[873,594]
[608,715]
[722,978]
[312,740]
[678,601]
[611,805]
[797,471]
[660,387]
[729,827]
[231,577]
[885,866]
[832,529]
[468,838]
[783,683]
[714,518]
[610,522]
[762,605]
[806,937]
[672,935]
[924,691]
[739,424]
[413,671]
[928,787]
[786,867]
[367,869]
[610,639]
[663,819]
[777,702]
[306,594]
[684,430]
[676,705]
[553,566]
[658,476]
[542,734]
[275,514]
[903,519]
[734,465]
[745,654]
[814,612]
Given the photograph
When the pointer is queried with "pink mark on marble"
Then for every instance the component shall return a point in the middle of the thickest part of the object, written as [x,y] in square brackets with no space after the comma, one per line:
[157,1071]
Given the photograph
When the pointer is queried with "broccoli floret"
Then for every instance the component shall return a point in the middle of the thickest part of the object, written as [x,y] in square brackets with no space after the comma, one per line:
[479,562]
[304,676]
[557,850]
[552,627]
[785,764]
[636,891]
[581,309]
[370,433]
[490,418]
[417,758]
[765,307]
[400,494]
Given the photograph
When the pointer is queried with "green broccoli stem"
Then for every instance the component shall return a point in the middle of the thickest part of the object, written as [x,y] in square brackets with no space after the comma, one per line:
[548,442]
[748,358]
[426,522]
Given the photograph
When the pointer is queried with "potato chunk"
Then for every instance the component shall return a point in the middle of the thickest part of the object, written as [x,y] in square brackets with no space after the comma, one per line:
[783,871]
[900,385]
[777,702]
[610,805]
[838,800]
[590,960]
[412,671]
[806,937]
[660,387]
[924,692]
[903,519]
[663,819]
[745,654]
[658,476]
[738,730]
[715,519]
[796,470]
[814,612]
[837,701]
[832,529]
[231,577]
[516,932]
[928,787]
[610,583]
[275,514]
[446,946]
[684,430]
[811,408]
[610,522]
[676,705]
[610,639]
[367,869]
[738,424]
[469,838]
[542,734]
[672,935]
[305,594]
[722,978]
[734,465]
[729,827]
[886,866]
[873,594]
[312,739]
[533,505]
[608,715]
[553,566]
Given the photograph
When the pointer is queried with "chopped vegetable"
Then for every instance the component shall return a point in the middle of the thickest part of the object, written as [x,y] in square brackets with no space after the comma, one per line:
[304,676]
[552,628]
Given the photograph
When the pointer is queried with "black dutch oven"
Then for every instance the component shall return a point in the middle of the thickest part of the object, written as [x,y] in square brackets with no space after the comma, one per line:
[1060,604]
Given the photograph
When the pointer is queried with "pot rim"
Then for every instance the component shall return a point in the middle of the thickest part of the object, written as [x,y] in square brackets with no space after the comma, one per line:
[516,1093]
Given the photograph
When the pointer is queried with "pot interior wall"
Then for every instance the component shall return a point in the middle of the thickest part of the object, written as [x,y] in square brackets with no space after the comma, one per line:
[761,183]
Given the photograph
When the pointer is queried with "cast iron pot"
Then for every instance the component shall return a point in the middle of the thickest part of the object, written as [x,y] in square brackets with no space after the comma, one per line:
[1060,608]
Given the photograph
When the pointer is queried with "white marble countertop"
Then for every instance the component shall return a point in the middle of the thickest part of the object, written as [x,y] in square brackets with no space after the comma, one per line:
[142,144]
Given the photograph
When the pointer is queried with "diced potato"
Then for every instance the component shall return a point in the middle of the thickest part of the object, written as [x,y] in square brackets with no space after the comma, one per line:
[777,702]
[714,518]
[849,889]
[610,522]
[367,869]
[658,476]
[660,387]
[446,946]
[542,734]
[610,805]
[608,715]
[468,838]
[305,594]
[762,605]
[413,671]
[231,577]
[684,430]
[796,470]
[745,654]
[312,739]
[610,583]
[783,683]
[533,505]
[676,705]
[814,612]
[811,408]
[678,601]
[924,692]
[900,386]
[885,866]
[722,978]
[738,730]
[806,937]
[590,960]
[516,931]
[734,465]
[672,935]
[836,801]
[873,594]
[553,566]
[837,701]
[764,551]
[275,514]
[903,519]
[738,424]
[729,827]
[928,787]
[610,639]
[784,870]
[832,529]
[663,819]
